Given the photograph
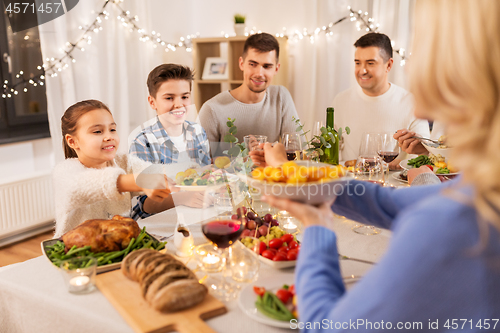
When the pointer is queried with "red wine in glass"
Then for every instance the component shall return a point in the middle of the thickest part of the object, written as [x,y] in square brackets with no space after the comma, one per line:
[223,233]
[388,156]
[291,155]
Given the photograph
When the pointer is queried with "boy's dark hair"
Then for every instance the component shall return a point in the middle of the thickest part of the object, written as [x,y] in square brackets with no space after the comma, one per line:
[167,72]
[262,42]
[379,40]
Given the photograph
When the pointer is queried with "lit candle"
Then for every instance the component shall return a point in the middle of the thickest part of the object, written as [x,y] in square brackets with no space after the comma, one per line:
[290,227]
[79,283]
[211,261]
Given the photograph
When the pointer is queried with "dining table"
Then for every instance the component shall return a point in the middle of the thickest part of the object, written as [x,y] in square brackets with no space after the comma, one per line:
[34,298]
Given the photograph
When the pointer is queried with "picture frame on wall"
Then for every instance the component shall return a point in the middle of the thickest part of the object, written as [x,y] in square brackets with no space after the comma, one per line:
[215,69]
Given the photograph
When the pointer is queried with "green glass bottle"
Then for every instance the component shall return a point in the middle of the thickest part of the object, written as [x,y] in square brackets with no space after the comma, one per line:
[331,154]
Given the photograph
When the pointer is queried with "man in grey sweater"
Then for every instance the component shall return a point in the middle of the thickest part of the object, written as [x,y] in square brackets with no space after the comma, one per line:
[258,107]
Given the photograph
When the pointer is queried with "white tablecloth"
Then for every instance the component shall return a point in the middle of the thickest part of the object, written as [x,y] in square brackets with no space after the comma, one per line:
[33,297]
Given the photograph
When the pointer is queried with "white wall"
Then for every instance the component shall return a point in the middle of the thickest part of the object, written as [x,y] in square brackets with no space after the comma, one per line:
[25,158]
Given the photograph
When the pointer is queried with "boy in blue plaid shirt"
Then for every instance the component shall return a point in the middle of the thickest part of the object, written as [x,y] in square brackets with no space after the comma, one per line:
[171,138]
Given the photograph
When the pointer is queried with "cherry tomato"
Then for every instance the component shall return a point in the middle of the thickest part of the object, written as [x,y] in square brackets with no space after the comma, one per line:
[287,238]
[291,289]
[268,254]
[284,295]
[275,243]
[262,247]
[293,245]
[280,256]
[292,254]
[259,290]
[429,166]
[284,249]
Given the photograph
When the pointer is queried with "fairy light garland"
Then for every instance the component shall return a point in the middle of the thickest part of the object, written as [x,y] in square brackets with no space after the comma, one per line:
[53,66]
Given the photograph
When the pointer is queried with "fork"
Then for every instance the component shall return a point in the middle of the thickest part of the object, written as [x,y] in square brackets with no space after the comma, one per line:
[439,142]
[343,257]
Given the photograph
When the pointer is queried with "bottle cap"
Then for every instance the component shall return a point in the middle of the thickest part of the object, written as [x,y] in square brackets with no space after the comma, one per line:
[330,109]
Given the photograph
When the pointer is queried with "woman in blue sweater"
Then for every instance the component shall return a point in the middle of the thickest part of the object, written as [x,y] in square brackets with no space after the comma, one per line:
[442,268]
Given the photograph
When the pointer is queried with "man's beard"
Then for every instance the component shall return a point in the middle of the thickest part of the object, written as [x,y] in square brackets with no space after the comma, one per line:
[257,90]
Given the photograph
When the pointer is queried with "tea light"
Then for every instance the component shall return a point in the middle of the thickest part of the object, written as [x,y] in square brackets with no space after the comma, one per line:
[208,258]
[290,227]
[78,283]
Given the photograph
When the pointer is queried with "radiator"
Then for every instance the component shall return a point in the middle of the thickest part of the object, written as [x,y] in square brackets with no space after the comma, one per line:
[26,207]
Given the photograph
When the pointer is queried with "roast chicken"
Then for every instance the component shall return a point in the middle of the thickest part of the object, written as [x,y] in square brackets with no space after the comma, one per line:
[102,235]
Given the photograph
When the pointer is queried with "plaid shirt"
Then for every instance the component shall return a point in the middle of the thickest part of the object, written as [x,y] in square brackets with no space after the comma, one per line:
[153,144]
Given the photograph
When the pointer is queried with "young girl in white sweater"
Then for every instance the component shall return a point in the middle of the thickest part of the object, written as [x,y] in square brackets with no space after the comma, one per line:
[93,182]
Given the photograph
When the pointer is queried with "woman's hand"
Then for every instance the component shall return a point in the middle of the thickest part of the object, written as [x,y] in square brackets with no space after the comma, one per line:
[193,199]
[412,173]
[307,214]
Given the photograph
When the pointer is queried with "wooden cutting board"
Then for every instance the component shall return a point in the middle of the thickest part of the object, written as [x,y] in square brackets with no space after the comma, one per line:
[125,295]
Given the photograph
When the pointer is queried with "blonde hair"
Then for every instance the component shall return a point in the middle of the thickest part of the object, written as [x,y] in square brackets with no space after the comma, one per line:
[455,78]
[69,121]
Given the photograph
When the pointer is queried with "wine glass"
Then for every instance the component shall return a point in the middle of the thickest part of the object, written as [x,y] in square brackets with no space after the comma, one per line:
[223,232]
[388,150]
[293,146]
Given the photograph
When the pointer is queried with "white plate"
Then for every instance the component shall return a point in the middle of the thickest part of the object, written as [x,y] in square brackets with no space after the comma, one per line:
[248,297]
[396,175]
[404,165]
[230,179]
[312,193]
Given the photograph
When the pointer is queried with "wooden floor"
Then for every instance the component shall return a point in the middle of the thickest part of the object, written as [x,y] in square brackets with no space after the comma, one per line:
[22,251]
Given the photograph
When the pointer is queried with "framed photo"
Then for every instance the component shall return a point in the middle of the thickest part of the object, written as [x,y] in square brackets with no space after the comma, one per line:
[215,69]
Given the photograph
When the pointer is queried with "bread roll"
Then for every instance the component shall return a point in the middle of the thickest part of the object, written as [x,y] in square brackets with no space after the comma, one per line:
[142,272]
[179,295]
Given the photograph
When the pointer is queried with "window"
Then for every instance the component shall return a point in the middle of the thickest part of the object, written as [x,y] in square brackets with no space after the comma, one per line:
[23,116]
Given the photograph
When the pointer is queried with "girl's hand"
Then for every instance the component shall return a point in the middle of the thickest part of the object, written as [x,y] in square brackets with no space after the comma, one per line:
[193,199]
[307,214]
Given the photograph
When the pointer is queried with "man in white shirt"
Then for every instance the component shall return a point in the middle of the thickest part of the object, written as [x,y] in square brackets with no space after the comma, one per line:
[375,105]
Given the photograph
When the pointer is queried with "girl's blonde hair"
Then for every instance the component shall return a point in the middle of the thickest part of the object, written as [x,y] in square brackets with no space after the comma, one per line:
[69,121]
[455,77]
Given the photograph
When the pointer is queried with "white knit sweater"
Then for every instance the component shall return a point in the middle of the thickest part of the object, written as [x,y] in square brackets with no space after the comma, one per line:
[83,193]
[388,112]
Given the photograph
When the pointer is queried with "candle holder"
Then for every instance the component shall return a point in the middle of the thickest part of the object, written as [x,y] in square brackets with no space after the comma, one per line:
[244,263]
[209,259]
[79,274]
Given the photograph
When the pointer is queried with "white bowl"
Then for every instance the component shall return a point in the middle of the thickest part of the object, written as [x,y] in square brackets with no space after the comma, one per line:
[445,152]
[312,193]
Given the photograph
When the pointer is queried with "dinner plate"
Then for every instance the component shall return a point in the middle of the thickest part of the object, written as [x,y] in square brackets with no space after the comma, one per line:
[195,188]
[404,165]
[396,175]
[312,193]
[99,269]
[248,297]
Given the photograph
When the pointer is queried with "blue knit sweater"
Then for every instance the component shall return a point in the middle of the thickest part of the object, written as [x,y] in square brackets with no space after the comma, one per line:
[433,272]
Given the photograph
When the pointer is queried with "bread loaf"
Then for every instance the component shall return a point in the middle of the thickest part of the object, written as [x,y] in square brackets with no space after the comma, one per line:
[166,283]
[179,295]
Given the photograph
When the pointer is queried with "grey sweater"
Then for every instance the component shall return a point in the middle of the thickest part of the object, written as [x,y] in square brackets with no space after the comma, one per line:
[271,117]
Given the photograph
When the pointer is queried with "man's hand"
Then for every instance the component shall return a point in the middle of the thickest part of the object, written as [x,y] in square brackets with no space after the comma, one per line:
[412,173]
[307,214]
[160,192]
[270,155]
[257,157]
[408,144]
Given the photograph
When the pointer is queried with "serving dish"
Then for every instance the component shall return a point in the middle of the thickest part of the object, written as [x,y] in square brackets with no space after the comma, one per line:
[99,269]
[311,192]
[445,152]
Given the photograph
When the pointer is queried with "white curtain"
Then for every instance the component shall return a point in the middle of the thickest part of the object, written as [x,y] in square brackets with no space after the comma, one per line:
[112,69]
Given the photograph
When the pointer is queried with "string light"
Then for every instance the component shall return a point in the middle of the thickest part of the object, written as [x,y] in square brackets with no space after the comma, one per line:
[54,65]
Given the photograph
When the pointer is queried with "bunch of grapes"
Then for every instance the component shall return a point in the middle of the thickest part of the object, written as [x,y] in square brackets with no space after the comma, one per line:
[253,222]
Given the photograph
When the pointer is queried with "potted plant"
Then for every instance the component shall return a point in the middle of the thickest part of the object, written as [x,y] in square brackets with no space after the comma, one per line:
[239,24]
